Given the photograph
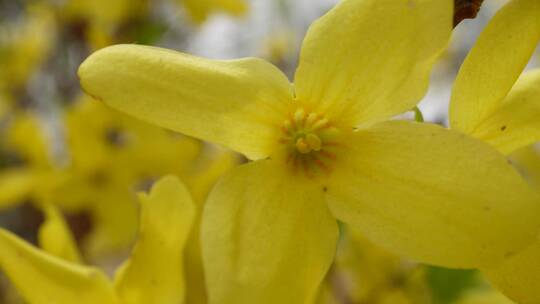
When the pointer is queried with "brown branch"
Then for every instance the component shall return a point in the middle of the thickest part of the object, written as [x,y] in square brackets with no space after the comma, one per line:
[466,9]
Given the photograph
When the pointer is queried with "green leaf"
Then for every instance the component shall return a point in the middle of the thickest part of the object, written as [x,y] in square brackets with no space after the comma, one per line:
[447,285]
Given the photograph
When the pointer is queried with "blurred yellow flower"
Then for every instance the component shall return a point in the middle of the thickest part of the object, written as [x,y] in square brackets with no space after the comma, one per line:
[153,273]
[110,154]
[321,152]
[365,273]
[24,45]
[199,10]
[101,19]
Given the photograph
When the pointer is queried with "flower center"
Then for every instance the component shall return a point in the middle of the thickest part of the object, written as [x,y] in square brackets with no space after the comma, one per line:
[311,140]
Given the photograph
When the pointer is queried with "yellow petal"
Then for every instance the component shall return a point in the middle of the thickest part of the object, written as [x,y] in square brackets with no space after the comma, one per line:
[518,277]
[15,185]
[154,273]
[43,278]
[200,182]
[235,103]
[366,60]
[266,237]
[433,195]
[56,238]
[494,64]
[516,123]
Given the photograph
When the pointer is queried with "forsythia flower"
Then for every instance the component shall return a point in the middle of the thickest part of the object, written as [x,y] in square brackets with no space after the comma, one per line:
[320,151]
[492,102]
[25,45]
[153,273]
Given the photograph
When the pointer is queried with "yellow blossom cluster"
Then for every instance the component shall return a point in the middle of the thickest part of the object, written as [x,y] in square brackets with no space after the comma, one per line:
[322,193]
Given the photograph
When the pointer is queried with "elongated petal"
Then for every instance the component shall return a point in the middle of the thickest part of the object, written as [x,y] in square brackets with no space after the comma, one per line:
[495,63]
[266,237]
[369,60]
[56,238]
[518,277]
[234,103]
[434,195]
[43,278]
[154,273]
[516,123]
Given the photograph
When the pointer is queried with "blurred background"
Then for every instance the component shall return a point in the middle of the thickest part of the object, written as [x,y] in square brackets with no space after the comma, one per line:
[59,147]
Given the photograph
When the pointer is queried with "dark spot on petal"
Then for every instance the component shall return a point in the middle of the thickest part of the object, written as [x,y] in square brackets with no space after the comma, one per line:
[503,128]
[509,254]
[325,189]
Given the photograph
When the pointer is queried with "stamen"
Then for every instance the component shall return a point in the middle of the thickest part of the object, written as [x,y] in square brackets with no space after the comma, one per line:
[312,117]
[299,117]
[303,146]
[314,142]
[287,126]
[320,124]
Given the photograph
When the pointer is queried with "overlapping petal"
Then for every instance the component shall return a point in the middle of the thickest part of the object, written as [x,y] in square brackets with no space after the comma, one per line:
[516,123]
[434,195]
[43,279]
[235,103]
[519,275]
[154,273]
[368,60]
[494,64]
[267,237]
[200,183]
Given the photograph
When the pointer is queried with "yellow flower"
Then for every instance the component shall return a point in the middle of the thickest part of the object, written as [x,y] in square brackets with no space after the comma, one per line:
[199,10]
[109,154]
[320,151]
[490,100]
[493,101]
[25,45]
[153,273]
